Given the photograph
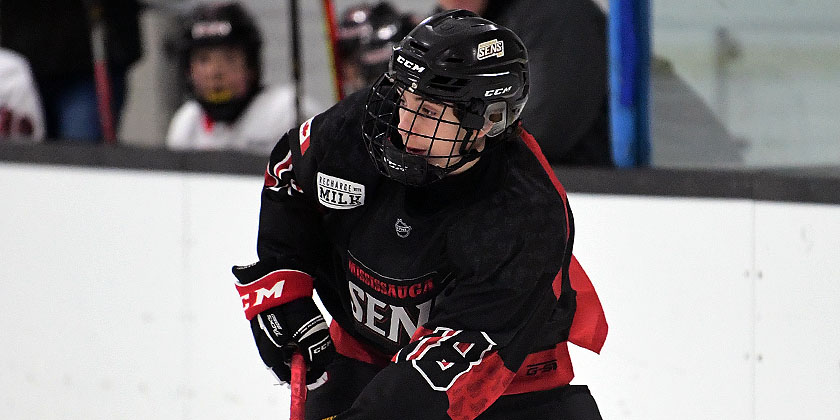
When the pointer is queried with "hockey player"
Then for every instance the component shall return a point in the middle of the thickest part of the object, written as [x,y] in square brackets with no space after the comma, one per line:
[445,260]
[366,37]
[221,52]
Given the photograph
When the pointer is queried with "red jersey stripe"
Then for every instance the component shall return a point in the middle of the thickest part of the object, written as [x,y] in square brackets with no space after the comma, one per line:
[535,149]
[589,327]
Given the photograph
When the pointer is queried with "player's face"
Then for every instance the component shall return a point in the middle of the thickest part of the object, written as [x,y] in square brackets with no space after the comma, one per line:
[220,73]
[425,126]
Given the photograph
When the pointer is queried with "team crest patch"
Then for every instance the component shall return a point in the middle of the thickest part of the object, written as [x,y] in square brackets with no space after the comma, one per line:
[340,194]
[491,48]
[402,229]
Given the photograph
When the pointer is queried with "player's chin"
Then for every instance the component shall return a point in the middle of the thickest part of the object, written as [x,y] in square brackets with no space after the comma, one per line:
[443,163]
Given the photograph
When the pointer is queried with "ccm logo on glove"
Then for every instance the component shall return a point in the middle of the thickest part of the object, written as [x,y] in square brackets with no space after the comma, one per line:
[273,289]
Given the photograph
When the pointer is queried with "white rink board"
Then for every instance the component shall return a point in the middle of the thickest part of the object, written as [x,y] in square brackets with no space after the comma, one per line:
[673,275]
[117,301]
[798,311]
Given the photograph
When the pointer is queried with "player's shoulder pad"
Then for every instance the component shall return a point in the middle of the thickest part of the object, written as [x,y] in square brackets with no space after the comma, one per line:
[332,128]
[525,217]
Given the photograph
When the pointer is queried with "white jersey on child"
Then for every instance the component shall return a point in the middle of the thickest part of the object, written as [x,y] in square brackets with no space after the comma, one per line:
[269,115]
[21,115]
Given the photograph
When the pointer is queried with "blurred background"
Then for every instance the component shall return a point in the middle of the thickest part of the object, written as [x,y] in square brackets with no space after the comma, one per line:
[769,73]
[715,261]
[734,84]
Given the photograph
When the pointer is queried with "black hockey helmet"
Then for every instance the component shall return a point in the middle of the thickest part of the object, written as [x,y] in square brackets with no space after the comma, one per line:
[459,60]
[223,24]
[366,37]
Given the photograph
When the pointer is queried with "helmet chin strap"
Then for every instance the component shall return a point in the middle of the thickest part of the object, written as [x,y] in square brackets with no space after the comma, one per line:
[467,154]
[470,156]
[463,150]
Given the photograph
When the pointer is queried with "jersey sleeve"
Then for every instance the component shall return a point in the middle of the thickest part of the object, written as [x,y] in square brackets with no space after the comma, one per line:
[290,221]
[483,325]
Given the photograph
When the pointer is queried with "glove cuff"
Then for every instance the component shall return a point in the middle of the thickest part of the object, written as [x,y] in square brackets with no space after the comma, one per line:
[273,289]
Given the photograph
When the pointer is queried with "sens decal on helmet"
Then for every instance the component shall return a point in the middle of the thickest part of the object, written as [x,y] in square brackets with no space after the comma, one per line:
[492,48]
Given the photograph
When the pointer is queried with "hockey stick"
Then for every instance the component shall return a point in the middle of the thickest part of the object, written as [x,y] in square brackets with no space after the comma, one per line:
[298,385]
[332,45]
[100,70]
[296,60]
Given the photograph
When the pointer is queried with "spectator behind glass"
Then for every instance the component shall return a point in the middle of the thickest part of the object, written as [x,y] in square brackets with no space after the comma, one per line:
[567,108]
[54,36]
[366,36]
[21,116]
[221,53]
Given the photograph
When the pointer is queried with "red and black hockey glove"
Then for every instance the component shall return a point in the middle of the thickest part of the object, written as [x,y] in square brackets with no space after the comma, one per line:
[283,316]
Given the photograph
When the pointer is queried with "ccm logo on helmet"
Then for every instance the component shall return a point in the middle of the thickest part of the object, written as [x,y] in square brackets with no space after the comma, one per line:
[496,92]
[410,64]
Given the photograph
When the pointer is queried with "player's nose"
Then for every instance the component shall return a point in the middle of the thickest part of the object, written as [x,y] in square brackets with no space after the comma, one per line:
[416,144]
[411,126]
[406,122]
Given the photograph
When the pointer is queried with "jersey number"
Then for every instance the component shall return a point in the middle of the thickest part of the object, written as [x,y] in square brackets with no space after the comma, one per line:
[446,354]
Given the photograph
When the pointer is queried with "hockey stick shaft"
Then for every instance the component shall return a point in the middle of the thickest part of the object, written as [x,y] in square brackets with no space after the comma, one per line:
[296,59]
[298,385]
[100,71]
[332,44]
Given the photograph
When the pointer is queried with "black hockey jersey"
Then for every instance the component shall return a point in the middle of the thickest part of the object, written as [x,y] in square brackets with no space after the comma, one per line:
[461,291]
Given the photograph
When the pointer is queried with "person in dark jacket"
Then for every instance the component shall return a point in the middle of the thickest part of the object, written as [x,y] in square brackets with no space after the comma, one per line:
[568,110]
[55,37]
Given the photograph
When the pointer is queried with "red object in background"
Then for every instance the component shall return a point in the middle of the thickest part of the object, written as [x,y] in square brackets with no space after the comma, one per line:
[103,94]
[332,44]
[100,70]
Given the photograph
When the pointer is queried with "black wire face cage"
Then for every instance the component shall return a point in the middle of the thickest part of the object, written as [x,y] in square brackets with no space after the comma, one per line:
[414,154]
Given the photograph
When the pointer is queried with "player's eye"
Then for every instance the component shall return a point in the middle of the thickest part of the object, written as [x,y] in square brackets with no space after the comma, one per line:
[429,112]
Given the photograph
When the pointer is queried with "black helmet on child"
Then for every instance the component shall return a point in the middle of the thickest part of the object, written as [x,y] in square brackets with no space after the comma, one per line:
[459,60]
[366,37]
[223,24]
